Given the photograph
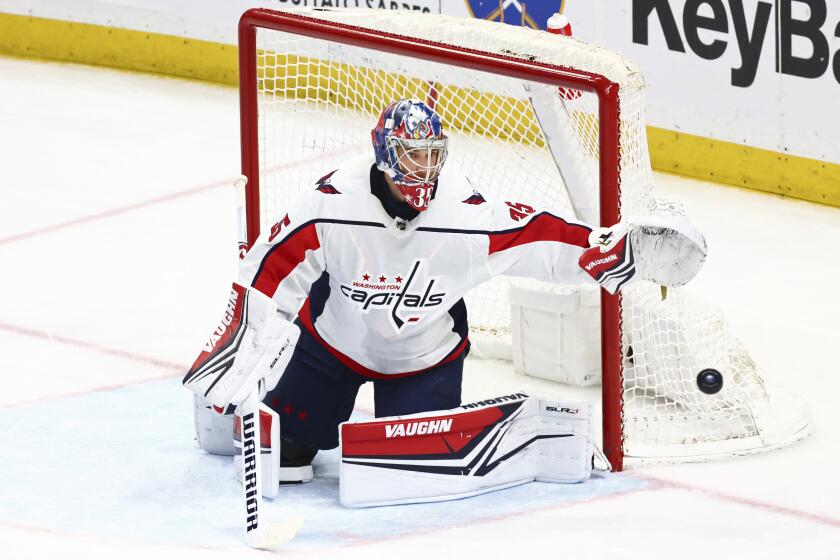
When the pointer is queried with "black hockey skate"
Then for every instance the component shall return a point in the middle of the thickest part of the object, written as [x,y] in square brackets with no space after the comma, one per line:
[295,461]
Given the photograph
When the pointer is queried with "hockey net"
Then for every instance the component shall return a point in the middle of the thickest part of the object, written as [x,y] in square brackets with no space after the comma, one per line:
[313,83]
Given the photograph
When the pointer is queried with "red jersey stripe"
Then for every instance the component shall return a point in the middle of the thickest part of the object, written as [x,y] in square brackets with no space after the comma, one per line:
[544,227]
[282,259]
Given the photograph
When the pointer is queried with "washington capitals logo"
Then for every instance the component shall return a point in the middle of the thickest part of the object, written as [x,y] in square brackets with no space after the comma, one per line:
[324,185]
[533,13]
[396,293]
[326,188]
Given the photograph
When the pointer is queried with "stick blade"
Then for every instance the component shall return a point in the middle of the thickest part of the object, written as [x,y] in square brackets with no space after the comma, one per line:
[274,534]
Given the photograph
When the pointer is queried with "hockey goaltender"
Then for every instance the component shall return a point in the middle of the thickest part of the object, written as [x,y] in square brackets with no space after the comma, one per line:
[363,281]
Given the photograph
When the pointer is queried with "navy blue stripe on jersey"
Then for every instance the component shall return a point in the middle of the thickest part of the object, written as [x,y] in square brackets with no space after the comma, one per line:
[460,326]
[319,293]
[585,228]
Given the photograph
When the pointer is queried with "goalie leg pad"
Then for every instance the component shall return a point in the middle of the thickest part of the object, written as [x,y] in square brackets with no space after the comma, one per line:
[213,431]
[473,449]
[567,458]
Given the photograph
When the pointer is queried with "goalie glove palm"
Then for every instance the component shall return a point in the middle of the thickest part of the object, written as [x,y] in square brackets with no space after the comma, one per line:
[252,342]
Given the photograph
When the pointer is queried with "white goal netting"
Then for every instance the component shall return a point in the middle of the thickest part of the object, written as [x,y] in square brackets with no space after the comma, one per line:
[318,100]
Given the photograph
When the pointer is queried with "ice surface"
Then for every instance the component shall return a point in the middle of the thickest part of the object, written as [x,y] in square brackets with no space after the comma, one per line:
[116,244]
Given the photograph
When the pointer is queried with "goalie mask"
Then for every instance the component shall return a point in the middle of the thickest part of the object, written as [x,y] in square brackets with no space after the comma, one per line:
[410,147]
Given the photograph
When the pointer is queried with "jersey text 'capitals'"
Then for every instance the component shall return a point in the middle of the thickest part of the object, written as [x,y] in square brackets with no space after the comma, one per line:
[384,297]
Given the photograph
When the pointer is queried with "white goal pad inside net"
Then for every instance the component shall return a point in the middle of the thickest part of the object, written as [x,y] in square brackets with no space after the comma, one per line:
[322,77]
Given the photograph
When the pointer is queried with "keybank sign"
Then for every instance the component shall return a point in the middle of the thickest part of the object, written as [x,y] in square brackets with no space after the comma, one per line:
[809,29]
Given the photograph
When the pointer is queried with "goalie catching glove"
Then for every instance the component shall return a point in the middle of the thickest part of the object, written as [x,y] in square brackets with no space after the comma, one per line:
[252,342]
[662,247]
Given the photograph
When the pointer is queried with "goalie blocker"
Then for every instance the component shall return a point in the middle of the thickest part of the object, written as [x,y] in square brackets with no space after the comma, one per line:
[469,450]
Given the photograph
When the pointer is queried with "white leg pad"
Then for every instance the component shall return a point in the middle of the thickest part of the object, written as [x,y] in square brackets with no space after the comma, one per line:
[565,459]
[477,448]
[213,432]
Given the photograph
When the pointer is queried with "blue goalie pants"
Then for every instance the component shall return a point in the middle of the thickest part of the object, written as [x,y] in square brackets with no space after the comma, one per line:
[317,392]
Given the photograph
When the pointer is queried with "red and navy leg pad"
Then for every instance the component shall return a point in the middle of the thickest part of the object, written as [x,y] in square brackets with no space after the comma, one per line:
[475,448]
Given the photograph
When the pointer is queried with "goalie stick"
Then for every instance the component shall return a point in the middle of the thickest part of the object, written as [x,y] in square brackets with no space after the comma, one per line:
[257,533]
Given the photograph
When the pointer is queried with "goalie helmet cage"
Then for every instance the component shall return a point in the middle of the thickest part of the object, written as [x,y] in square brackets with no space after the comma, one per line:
[313,82]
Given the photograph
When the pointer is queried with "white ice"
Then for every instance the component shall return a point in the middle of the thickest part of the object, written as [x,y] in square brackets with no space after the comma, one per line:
[116,236]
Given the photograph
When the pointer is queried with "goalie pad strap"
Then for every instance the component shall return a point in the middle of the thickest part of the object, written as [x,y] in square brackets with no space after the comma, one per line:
[213,429]
[472,449]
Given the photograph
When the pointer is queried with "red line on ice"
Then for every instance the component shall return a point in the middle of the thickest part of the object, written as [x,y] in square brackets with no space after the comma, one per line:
[723,497]
[158,200]
[168,366]
[92,346]
[110,213]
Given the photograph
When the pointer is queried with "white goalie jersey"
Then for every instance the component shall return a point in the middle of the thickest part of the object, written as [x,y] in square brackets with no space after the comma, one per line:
[384,294]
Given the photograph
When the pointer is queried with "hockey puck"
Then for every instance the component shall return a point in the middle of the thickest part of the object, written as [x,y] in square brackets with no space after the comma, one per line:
[710,381]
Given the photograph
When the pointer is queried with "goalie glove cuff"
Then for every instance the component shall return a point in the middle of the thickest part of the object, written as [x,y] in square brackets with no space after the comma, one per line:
[610,262]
